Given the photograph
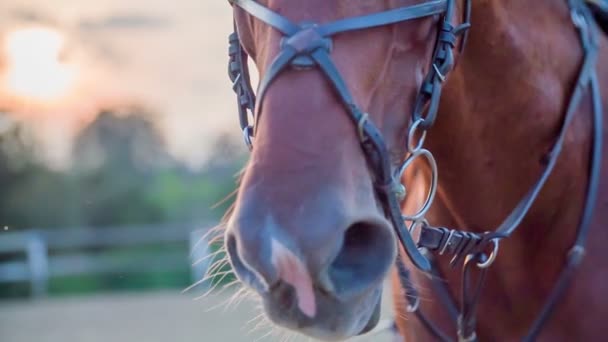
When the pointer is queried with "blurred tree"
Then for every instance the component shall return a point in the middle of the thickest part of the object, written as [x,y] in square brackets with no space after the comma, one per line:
[201,195]
[121,174]
[122,140]
[24,180]
[115,159]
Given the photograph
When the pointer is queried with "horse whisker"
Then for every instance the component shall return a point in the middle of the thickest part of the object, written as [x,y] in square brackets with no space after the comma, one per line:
[238,294]
[262,323]
[255,318]
[225,199]
[204,279]
[213,288]
[217,264]
[217,229]
[263,336]
[210,255]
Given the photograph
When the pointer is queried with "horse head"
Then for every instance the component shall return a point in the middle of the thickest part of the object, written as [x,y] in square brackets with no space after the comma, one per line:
[310,231]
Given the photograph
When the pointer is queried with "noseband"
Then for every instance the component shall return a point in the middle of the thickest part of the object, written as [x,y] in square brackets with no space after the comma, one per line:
[308,45]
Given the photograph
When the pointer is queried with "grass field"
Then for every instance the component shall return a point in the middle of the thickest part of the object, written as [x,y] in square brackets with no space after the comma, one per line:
[146,317]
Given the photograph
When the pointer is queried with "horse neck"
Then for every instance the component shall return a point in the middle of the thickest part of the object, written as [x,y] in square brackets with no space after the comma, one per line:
[500,114]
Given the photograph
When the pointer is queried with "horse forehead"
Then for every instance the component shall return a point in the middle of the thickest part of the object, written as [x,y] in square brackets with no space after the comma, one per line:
[322,12]
[330,10]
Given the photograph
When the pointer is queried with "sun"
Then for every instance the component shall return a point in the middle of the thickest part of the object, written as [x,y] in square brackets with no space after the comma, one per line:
[35,70]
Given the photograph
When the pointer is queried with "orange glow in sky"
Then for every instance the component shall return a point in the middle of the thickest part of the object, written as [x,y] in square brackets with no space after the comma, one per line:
[35,70]
[62,61]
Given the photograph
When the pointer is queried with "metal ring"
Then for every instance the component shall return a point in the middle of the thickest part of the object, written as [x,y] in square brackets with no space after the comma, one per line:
[433,187]
[410,135]
[414,308]
[247,135]
[492,256]
[364,118]
[416,224]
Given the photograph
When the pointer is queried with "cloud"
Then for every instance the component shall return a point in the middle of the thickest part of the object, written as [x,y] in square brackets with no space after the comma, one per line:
[28,15]
[125,21]
[24,16]
[166,55]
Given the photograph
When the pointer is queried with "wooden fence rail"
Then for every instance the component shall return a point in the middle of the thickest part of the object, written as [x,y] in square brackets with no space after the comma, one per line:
[39,255]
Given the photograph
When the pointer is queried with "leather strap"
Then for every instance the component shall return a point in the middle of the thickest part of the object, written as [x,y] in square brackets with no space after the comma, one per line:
[385,18]
[349,24]
[381,165]
[435,238]
[241,84]
[413,299]
[268,16]
[588,80]
[461,243]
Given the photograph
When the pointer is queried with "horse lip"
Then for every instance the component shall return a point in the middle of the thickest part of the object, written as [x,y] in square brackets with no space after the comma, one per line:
[374,319]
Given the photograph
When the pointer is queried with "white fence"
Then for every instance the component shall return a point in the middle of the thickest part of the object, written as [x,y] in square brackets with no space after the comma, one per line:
[38,255]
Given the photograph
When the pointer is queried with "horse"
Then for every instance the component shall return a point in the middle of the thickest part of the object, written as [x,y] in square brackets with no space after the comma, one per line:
[365,156]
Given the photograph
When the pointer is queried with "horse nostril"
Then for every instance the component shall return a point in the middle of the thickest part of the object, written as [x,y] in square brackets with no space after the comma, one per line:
[368,251]
[355,245]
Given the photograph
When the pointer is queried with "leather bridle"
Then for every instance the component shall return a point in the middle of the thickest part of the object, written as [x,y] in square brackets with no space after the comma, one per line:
[308,45]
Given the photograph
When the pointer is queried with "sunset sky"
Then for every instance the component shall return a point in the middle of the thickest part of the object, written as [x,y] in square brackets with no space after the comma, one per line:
[61,60]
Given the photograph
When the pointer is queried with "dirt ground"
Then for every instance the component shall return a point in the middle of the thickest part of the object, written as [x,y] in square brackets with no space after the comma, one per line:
[147,317]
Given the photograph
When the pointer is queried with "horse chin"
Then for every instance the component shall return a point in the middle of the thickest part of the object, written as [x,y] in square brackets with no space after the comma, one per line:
[373,320]
[336,320]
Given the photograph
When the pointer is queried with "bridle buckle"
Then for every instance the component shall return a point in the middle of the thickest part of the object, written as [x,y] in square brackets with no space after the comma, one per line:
[305,42]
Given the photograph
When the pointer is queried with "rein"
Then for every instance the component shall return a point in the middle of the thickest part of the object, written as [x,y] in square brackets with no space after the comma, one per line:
[308,45]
